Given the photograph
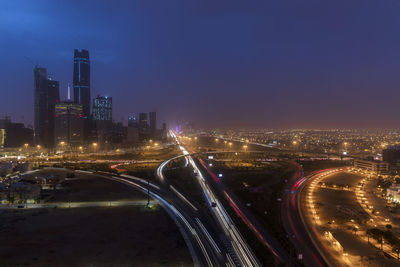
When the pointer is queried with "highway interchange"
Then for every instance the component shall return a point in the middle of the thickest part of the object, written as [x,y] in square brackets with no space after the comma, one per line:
[211,235]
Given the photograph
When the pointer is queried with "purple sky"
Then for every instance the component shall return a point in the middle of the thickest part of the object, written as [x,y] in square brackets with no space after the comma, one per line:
[217,63]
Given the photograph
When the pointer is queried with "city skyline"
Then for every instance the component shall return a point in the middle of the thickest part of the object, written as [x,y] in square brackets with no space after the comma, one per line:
[200,133]
[263,65]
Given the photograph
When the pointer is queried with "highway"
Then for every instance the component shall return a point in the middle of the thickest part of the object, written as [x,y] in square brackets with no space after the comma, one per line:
[205,251]
[280,255]
[291,212]
[300,233]
[241,249]
[295,226]
[203,248]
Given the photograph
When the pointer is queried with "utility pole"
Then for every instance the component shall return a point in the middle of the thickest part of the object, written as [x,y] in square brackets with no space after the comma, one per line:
[148,190]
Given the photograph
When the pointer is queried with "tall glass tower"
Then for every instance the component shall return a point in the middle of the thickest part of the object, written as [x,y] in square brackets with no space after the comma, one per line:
[47,95]
[82,80]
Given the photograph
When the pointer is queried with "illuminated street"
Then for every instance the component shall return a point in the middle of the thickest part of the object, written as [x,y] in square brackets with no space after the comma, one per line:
[338,223]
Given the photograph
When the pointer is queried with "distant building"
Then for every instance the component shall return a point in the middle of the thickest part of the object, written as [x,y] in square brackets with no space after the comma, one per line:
[153,122]
[143,124]
[372,165]
[47,94]
[393,193]
[132,136]
[17,135]
[164,133]
[14,134]
[391,154]
[102,108]
[2,137]
[118,133]
[102,117]
[81,80]
[69,123]
[133,122]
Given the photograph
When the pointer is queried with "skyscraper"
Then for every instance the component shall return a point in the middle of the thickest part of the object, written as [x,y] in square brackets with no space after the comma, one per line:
[69,123]
[102,117]
[132,121]
[81,80]
[47,94]
[102,108]
[153,121]
[143,125]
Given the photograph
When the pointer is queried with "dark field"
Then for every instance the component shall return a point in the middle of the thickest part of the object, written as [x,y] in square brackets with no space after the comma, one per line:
[109,236]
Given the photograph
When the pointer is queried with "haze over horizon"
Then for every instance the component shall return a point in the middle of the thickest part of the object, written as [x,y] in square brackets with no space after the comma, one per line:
[282,64]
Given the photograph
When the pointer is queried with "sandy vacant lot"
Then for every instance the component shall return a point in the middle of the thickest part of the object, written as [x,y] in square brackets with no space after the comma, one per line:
[110,236]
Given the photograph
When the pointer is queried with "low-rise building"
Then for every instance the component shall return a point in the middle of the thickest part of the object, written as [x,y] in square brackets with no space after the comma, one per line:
[20,192]
[393,193]
[372,165]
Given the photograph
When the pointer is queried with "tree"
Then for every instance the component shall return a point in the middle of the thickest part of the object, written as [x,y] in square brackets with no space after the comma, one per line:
[377,234]
[397,250]
[369,234]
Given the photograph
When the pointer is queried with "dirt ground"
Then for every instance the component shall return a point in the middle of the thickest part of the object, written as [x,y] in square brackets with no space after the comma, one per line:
[340,206]
[109,236]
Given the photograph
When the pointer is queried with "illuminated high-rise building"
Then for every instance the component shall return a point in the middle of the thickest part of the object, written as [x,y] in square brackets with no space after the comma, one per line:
[47,94]
[69,123]
[81,80]
[102,108]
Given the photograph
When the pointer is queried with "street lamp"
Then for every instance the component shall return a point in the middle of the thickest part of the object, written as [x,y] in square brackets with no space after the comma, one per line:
[94,146]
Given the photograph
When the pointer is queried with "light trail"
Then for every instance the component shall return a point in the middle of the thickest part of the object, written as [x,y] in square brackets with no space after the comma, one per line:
[208,235]
[183,197]
[170,207]
[140,180]
[242,250]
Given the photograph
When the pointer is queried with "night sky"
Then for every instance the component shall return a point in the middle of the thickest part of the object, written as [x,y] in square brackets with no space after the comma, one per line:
[278,63]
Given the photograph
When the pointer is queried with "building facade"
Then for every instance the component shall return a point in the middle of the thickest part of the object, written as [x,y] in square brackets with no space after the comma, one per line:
[372,165]
[81,80]
[133,122]
[143,124]
[102,108]
[391,154]
[47,95]
[69,123]
[393,193]
[153,122]
[14,134]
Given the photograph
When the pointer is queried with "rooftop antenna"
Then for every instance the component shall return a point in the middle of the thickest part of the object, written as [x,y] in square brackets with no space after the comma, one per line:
[68,92]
